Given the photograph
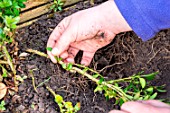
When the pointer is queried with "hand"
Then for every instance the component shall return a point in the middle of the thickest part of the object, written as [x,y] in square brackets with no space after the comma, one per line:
[150,106]
[86,30]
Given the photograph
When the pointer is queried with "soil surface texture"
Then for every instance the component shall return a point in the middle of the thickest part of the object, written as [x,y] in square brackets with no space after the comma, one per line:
[125,56]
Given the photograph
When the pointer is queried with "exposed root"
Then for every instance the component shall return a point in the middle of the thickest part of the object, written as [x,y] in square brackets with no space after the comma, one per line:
[153,56]
[119,63]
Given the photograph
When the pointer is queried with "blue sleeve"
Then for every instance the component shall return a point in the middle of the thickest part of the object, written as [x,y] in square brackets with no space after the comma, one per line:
[145,17]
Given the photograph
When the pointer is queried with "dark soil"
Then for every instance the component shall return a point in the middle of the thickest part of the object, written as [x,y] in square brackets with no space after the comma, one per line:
[126,55]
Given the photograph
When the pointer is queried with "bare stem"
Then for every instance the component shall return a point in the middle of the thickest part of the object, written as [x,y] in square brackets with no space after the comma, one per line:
[3,62]
[115,88]
[33,80]
[10,63]
[37,52]
[51,91]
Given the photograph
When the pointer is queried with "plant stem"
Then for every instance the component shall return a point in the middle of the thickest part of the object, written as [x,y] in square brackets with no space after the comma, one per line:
[33,80]
[10,63]
[43,82]
[37,52]
[3,62]
[51,91]
[115,88]
[82,66]
[126,79]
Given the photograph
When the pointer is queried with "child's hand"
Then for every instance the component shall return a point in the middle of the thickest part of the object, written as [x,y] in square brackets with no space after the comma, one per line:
[87,30]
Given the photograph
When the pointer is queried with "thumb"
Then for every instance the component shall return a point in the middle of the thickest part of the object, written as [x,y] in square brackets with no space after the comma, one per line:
[63,43]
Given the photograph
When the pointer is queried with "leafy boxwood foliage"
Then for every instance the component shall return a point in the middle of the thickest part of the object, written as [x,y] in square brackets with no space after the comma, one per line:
[9,17]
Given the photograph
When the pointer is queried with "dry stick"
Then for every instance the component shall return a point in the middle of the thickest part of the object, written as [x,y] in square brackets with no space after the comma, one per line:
[115,88]
[51,91]
[10,63]
[3,62]
[33,80]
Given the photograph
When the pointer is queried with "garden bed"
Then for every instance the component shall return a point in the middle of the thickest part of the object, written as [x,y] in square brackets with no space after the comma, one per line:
[125,56]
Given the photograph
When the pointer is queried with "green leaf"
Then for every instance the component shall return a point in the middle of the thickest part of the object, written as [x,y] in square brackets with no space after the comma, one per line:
[95,75]
[150,90]
[146,97]
[130,97]
[21,5]
[64,66]
[116,102]
[59,8]
[2,5]
[15,20]
[61,4]
[141,98]
[101,80]
[77,107]
[128,87]
[150,76]
[49,48]
[69,66]
[1,31]
[2,102]
[58,99]
[5,73]
[16,12]
[137,96]
[121,101]
[161,90]
[85,69]
[52,7]
[154,96]
[6,3]
[13,26]
[116,84]
[142,82]
[8,12]
[98,88]
[107,98]
[15,5]
[11,22]
[68,105]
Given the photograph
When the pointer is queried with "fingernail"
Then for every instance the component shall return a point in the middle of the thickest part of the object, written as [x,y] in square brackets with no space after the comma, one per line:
[55,52]
[70,60]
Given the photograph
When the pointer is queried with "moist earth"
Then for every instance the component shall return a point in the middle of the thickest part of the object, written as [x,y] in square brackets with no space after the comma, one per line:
[126,55]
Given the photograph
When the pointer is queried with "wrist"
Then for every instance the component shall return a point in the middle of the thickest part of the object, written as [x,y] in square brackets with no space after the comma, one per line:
[113,19]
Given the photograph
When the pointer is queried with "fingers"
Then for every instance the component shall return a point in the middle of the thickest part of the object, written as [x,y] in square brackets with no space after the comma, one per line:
[55,35]
[57,32]
[138,107]
[87,58]
[64,55]
[156,103]
[63,42]
[52,41]
[117,111]
[72,52]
